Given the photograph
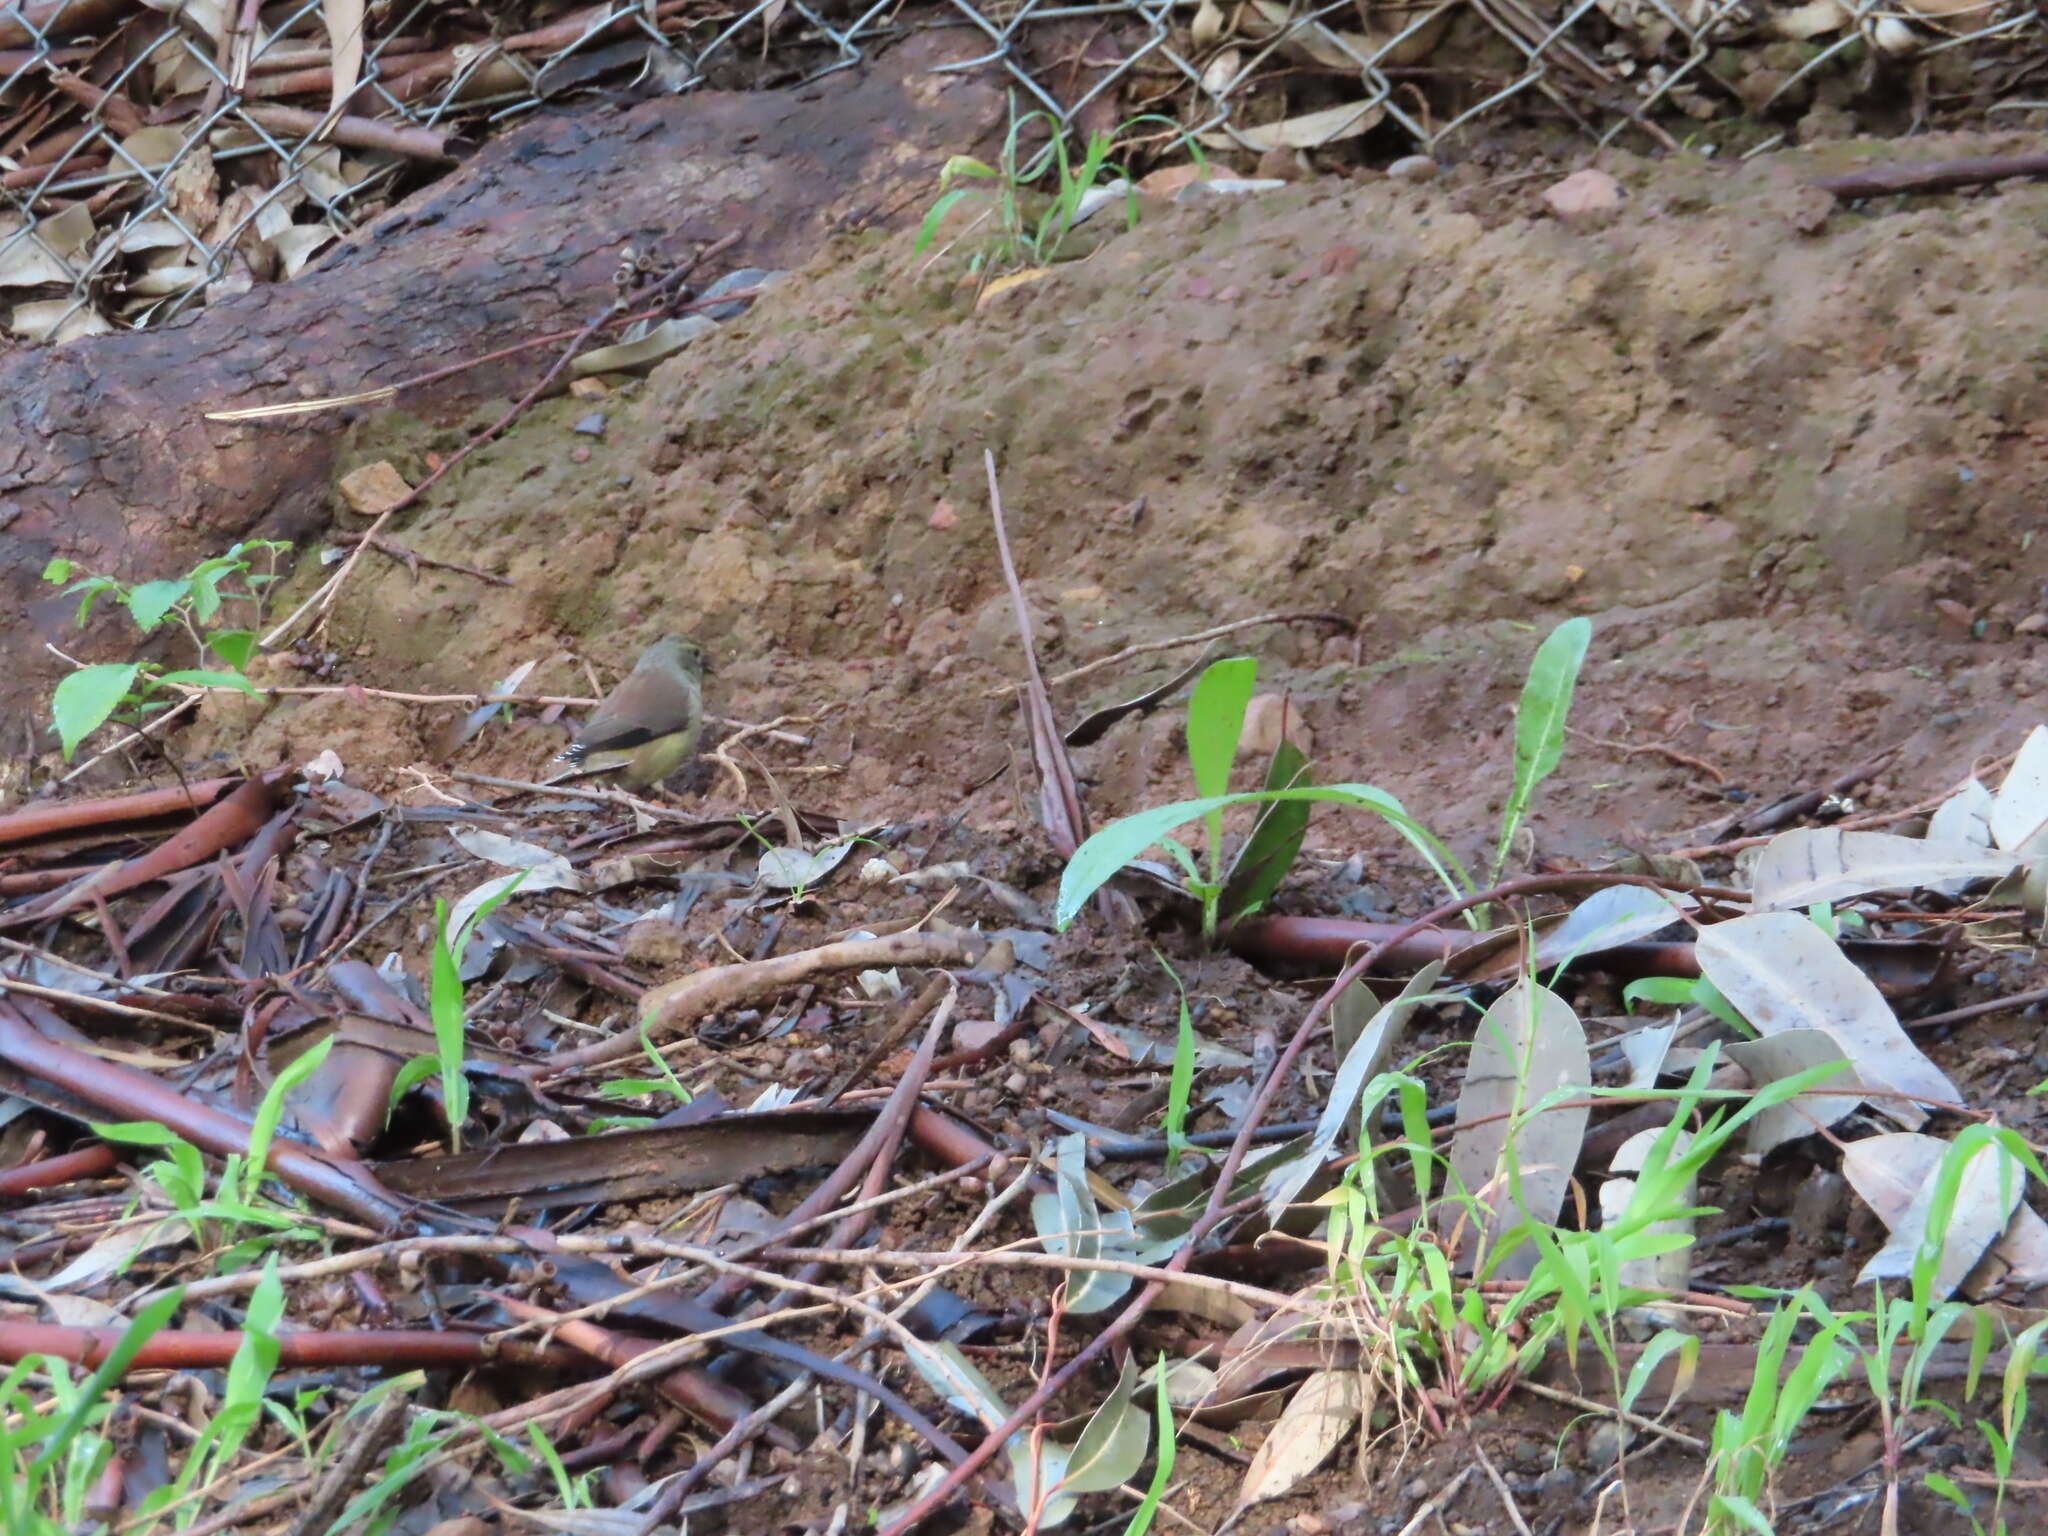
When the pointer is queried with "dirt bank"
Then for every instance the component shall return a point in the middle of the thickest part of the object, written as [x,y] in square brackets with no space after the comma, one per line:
[1789,459]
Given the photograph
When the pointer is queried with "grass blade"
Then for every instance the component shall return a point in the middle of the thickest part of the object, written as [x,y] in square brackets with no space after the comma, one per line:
[1539,723]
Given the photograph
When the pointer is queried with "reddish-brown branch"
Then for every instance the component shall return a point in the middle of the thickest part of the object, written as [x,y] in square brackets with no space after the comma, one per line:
[696,1392]
[86,1163]
[39,821]
[398,1348]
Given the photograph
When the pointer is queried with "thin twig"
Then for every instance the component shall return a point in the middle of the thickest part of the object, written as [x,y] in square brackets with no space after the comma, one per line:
[1437,1502]
[1148,647]
[1677,1437]
[1507,1497]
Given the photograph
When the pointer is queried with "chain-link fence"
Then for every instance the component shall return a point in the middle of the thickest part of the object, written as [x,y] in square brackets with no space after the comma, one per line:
[154,153]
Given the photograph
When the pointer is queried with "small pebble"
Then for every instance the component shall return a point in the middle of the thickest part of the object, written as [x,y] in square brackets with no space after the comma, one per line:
[592,425]
[1413,168]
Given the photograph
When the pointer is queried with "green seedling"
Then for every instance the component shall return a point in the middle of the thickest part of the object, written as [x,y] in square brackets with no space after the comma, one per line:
[1018,227]
[238,1200]
[449,1014]
[130,692]
[54,1446]
[1216,714]
[1181,1085]
[1162,1466]
[642,1087]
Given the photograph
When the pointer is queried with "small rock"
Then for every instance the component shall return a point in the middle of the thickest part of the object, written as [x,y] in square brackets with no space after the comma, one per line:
[2032,624]
[588,389]
[1959,615]
[374,489]
[1605,1442]
[1584,194]
[943,516]
[1262,727]
[1310,1525]
[579,455]
[592,425]
[1415,169]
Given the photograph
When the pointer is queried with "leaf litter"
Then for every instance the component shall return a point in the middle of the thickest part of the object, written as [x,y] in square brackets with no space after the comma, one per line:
[604,1128]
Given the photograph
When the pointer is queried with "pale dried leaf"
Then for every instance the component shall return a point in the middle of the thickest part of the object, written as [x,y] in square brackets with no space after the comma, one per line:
[1529,1045]
[1781,973]
[149,147]
[2020,811]
[1670,1271]
[149,235]
[496,848]
[664,340]
[795,869]
[1208,24]
[1368,1053]
[159,281]
[1324,1409]
[1815,864]
[1817,18]
[298,243]
[57,321]
[1311,130]
[1780,1056]
[1896,1176]
[107,1257]
[553,876]
[1620,914]
[1222,71]
[344,20]
[1645,1051]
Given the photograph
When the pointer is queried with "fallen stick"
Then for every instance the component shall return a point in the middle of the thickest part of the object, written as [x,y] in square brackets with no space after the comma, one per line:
[1932,175]
[677,1004]
[34,822]
[398,1348]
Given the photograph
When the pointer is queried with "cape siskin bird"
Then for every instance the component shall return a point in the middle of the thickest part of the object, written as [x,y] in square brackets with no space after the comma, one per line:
[649,724]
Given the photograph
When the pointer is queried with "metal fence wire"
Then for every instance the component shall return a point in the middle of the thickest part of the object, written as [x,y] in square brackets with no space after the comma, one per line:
[155,153]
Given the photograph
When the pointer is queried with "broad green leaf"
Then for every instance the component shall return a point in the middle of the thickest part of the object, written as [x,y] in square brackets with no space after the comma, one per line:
[59,569]
[85,699]
[1111,1447]
[236,647]
[203,679]
[263,1129]
[1180,1088]
[1216,720]
[151,602]
[1539,723]
[1275,842]
[413,1073]
[1109,850]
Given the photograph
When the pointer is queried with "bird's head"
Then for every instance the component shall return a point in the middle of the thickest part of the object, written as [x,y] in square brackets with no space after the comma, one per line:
[682,652]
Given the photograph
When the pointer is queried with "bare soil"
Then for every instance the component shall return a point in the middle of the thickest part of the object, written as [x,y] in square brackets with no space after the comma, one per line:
[1786,456]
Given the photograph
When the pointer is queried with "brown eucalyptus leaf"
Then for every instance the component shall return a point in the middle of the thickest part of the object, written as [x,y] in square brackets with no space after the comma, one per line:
[1324,1409]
